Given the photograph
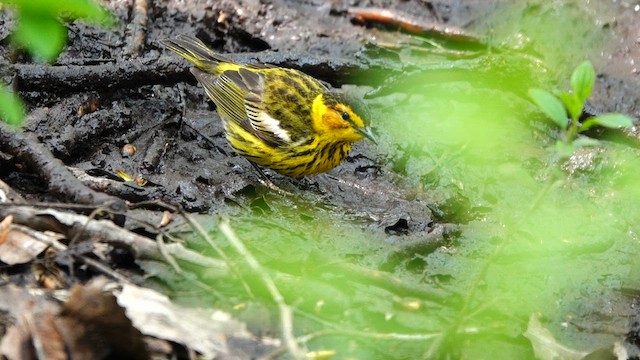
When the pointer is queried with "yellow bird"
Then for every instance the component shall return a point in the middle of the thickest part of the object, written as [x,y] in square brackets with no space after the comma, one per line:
[278,118]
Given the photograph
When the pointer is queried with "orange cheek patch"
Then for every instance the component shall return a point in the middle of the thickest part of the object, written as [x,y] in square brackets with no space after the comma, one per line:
[333,119]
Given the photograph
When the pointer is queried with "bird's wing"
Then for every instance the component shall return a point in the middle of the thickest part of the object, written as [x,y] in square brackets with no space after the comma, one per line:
[229,98]
[261,122]
[238,95]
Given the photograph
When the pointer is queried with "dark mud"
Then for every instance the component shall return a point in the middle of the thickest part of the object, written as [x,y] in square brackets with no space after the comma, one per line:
[97,98]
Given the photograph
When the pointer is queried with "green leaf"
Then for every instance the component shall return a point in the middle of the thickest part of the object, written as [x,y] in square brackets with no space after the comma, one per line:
[69,9]
[30,34]
[11,107]
[39,26]
[583,141]
[582,80]
[572,104]
[611,120]
[550,105]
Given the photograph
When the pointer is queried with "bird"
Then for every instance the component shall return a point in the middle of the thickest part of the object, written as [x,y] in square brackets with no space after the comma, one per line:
[277,118]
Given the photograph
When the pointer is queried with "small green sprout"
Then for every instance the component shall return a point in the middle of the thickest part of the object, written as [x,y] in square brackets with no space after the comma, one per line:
[557,106]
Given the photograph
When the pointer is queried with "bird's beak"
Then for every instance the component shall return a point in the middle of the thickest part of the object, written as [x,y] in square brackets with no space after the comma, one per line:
[366,132]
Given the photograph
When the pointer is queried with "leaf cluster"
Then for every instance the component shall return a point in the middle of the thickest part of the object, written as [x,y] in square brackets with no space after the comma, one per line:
[565,107]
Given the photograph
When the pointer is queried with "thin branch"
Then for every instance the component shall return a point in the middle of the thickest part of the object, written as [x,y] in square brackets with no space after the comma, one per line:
[52,242]
[205,235]
[163,250]
[371,335]
[413,25]
[27,148]
[138,28]
[107,232]
[286,314]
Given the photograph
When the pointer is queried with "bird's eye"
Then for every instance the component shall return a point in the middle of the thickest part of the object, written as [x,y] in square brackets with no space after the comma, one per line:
[345,116]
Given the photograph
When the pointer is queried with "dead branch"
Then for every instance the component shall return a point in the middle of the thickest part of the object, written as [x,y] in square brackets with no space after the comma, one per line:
[26,147]
[54,243]
[70,224]
[168,70]
[116,75]
[138,28]
[411,24]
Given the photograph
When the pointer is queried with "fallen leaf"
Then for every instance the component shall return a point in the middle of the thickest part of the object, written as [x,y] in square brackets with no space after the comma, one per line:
[5,226]
[20,248]
[208,332]
[89,325]
[94,326]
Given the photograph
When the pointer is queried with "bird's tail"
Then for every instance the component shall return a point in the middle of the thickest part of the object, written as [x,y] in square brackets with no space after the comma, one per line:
[196,52]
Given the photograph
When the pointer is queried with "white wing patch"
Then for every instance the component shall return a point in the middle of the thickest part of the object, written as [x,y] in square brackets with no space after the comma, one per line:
[262,121]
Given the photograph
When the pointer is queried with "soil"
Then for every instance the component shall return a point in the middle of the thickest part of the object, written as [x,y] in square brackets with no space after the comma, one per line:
[98,98]
[105,93]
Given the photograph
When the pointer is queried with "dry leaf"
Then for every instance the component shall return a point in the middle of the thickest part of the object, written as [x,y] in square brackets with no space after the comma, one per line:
[208,332]
[5,226]
[35,335]
[89,325]
[8,195]
[20,248]
[95,327]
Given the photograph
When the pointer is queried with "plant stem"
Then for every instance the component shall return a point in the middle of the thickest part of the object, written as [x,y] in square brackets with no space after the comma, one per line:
[572,131]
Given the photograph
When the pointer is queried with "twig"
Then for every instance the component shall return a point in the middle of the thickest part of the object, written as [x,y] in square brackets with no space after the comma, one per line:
[334,332]
[138,28]
[286,314]
[381,336]
[163,250]
[61,247]
[197,228]
[204,235]
[113,75]
[105,230]
[410,24]
[371,335]
[171,70]
[26,147]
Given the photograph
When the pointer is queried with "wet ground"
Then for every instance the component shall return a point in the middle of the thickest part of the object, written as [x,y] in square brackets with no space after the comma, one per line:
[99,98]
[181,150]
[108,90]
